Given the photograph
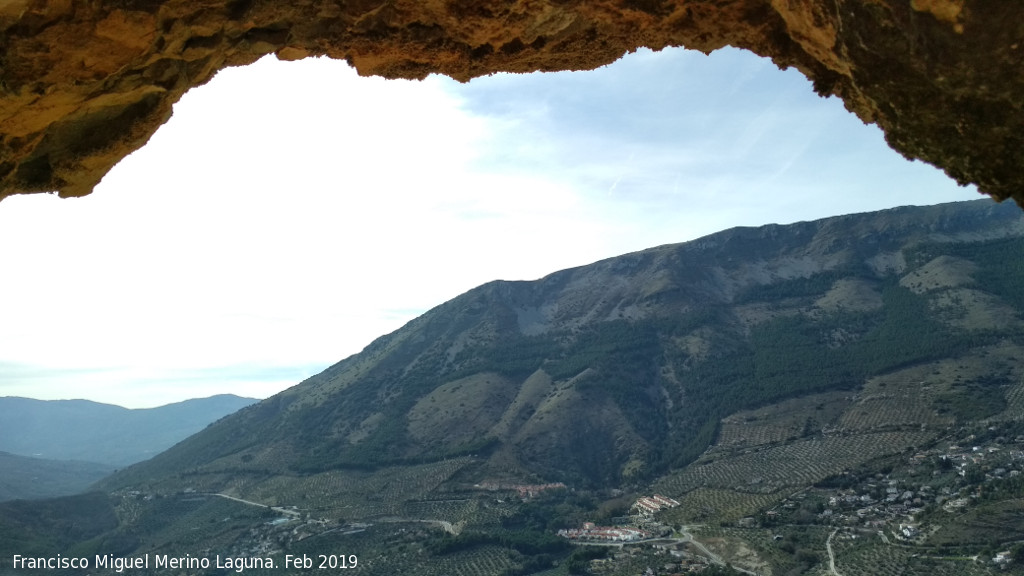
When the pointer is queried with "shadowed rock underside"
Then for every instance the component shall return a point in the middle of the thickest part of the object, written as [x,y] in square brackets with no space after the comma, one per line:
[83,84]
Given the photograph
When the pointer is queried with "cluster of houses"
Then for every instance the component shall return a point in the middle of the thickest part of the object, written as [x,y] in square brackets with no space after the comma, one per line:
[875,504]
[592,532]
[662,558]
[651,504]
[645,506]
[891,505]
[962,458]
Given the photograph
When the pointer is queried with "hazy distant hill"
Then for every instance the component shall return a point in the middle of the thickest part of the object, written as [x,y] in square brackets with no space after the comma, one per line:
[24,478]
[620,371]
[103,433]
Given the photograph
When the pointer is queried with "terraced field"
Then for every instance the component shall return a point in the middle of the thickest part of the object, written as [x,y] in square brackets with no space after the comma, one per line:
[353,494]
[201,522]
[1014,402]
[389,549]
[469,512]
[991,522]
[722,505]
[870,557]
[792,465]
[785,421]
[478,561]
[892,407]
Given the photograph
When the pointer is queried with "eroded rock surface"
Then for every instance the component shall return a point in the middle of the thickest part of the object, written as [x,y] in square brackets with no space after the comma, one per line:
[83,84]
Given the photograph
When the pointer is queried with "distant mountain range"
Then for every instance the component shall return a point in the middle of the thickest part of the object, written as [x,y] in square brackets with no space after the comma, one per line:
[105,434]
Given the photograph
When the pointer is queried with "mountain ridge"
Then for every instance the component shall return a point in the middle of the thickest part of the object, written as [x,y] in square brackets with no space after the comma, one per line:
[618,371]
[104,433]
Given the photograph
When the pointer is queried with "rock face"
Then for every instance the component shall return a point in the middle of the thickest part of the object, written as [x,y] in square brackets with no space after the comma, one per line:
[83,84]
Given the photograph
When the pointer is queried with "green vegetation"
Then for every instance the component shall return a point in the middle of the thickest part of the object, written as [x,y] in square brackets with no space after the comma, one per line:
[997,522]
[793,356]
[974,400]
[27,478]
[516,357]
[799,287]
[1000,267]
[529,543]
[46,527]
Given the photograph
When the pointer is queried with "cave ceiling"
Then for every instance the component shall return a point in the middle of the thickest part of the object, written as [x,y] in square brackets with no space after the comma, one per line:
[83,84]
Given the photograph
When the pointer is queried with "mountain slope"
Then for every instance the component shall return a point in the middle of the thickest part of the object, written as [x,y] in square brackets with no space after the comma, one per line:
[103,433]
[23,478]
[619,372]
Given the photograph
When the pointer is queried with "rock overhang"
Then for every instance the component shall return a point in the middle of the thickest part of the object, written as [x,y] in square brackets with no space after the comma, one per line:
[82,85]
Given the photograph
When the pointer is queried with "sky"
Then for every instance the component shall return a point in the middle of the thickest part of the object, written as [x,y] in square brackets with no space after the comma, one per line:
[291,212]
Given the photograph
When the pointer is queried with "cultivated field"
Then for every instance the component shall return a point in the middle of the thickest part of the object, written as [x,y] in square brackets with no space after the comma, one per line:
[353,494]
[721,505]
[791,465]
[869,556]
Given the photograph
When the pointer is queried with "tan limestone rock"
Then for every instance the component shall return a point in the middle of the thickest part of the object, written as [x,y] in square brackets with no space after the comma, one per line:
[83,84]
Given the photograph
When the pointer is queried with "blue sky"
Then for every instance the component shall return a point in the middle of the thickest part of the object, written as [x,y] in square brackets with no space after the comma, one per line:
[291,212]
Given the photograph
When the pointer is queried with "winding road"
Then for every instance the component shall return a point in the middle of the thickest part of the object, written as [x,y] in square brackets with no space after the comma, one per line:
[286,511]
[444,524]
